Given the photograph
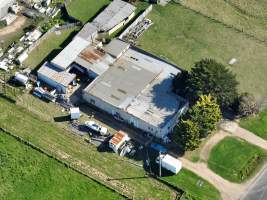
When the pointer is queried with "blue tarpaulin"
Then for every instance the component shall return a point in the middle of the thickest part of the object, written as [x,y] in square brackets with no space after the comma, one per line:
[158,147]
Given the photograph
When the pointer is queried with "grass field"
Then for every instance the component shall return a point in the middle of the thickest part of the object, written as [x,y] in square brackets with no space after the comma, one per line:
[85,10]
[184,37]
[247,16]
[71,148]
[257,125]
[59,142]
[28,174]
[49,48]
[187,181]
[232,156]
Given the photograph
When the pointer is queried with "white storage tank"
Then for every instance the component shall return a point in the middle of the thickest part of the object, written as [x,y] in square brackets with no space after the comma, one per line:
[22,79]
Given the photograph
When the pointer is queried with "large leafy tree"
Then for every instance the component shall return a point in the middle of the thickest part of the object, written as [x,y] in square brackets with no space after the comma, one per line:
[206,113]
[186,133]
[210,77]
[180,82]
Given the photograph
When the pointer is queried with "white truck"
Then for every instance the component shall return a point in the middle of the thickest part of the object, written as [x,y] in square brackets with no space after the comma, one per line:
[97,128]
[170,163]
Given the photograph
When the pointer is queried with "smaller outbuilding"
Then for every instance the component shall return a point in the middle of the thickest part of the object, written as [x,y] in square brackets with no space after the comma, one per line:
[55,78]
[170,163]
[75,113]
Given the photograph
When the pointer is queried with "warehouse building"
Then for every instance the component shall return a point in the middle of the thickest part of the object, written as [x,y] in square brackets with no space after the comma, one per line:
[117,14]
[137,89]
[4,6]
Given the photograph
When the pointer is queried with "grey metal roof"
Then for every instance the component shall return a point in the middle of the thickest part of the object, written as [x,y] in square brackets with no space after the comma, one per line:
[115,13]
[88,32]
[121,82]
[70,53]
[60,77]
[141,85]
[116,47]
[94,60]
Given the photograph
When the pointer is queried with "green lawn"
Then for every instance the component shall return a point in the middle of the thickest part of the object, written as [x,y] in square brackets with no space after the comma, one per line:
[257,125]
[232,156]
[84,10]
[72,149]
[185,37]
[28,174]
[247,16]
[188,181]
[49,48]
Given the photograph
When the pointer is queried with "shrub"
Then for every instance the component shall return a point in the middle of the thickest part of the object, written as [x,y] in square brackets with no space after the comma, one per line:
[246,105]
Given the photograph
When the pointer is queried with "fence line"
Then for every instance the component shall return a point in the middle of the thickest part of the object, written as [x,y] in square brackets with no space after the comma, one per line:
[31,145]
[47,34]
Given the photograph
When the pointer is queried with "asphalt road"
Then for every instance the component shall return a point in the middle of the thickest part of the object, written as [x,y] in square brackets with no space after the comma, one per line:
[258,189]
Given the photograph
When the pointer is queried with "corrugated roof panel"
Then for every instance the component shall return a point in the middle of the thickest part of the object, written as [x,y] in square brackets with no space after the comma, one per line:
[69,54]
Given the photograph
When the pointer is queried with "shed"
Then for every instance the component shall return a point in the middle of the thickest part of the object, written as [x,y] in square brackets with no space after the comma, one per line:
[75,113]
[170,163]
[54,77]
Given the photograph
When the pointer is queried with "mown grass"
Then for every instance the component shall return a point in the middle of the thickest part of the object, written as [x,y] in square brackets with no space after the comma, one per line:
[185,37]
[188,181]
[28,174]
[257,125]
[69,147]
[49,48]
[85,10]
[247,16]
[231,156]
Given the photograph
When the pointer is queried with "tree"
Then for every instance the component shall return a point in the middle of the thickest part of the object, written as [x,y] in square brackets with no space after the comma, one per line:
[246,105]
[210,77]
[180,82]
[206,113]
[187,134]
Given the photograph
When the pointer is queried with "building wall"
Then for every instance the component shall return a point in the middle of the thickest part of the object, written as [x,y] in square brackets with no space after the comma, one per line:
[4,5]
[130,119]
[57,86]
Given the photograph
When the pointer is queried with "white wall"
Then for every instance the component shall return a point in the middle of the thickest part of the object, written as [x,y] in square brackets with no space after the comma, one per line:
[130,119]
[59,87]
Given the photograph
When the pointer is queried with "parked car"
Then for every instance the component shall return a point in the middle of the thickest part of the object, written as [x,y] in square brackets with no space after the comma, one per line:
[97,128]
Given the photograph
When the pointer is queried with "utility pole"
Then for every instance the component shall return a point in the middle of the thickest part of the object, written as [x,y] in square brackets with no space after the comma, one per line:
[160,164]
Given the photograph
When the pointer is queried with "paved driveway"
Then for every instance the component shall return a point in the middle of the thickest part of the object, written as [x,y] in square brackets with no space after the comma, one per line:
[258,190]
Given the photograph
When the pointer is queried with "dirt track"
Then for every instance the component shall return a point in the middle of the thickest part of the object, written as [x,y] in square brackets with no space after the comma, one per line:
[228,190]
[17,24]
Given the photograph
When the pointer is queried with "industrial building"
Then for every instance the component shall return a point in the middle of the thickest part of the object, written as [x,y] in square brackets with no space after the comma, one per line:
[4,6]
[126,82]
[137,89]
